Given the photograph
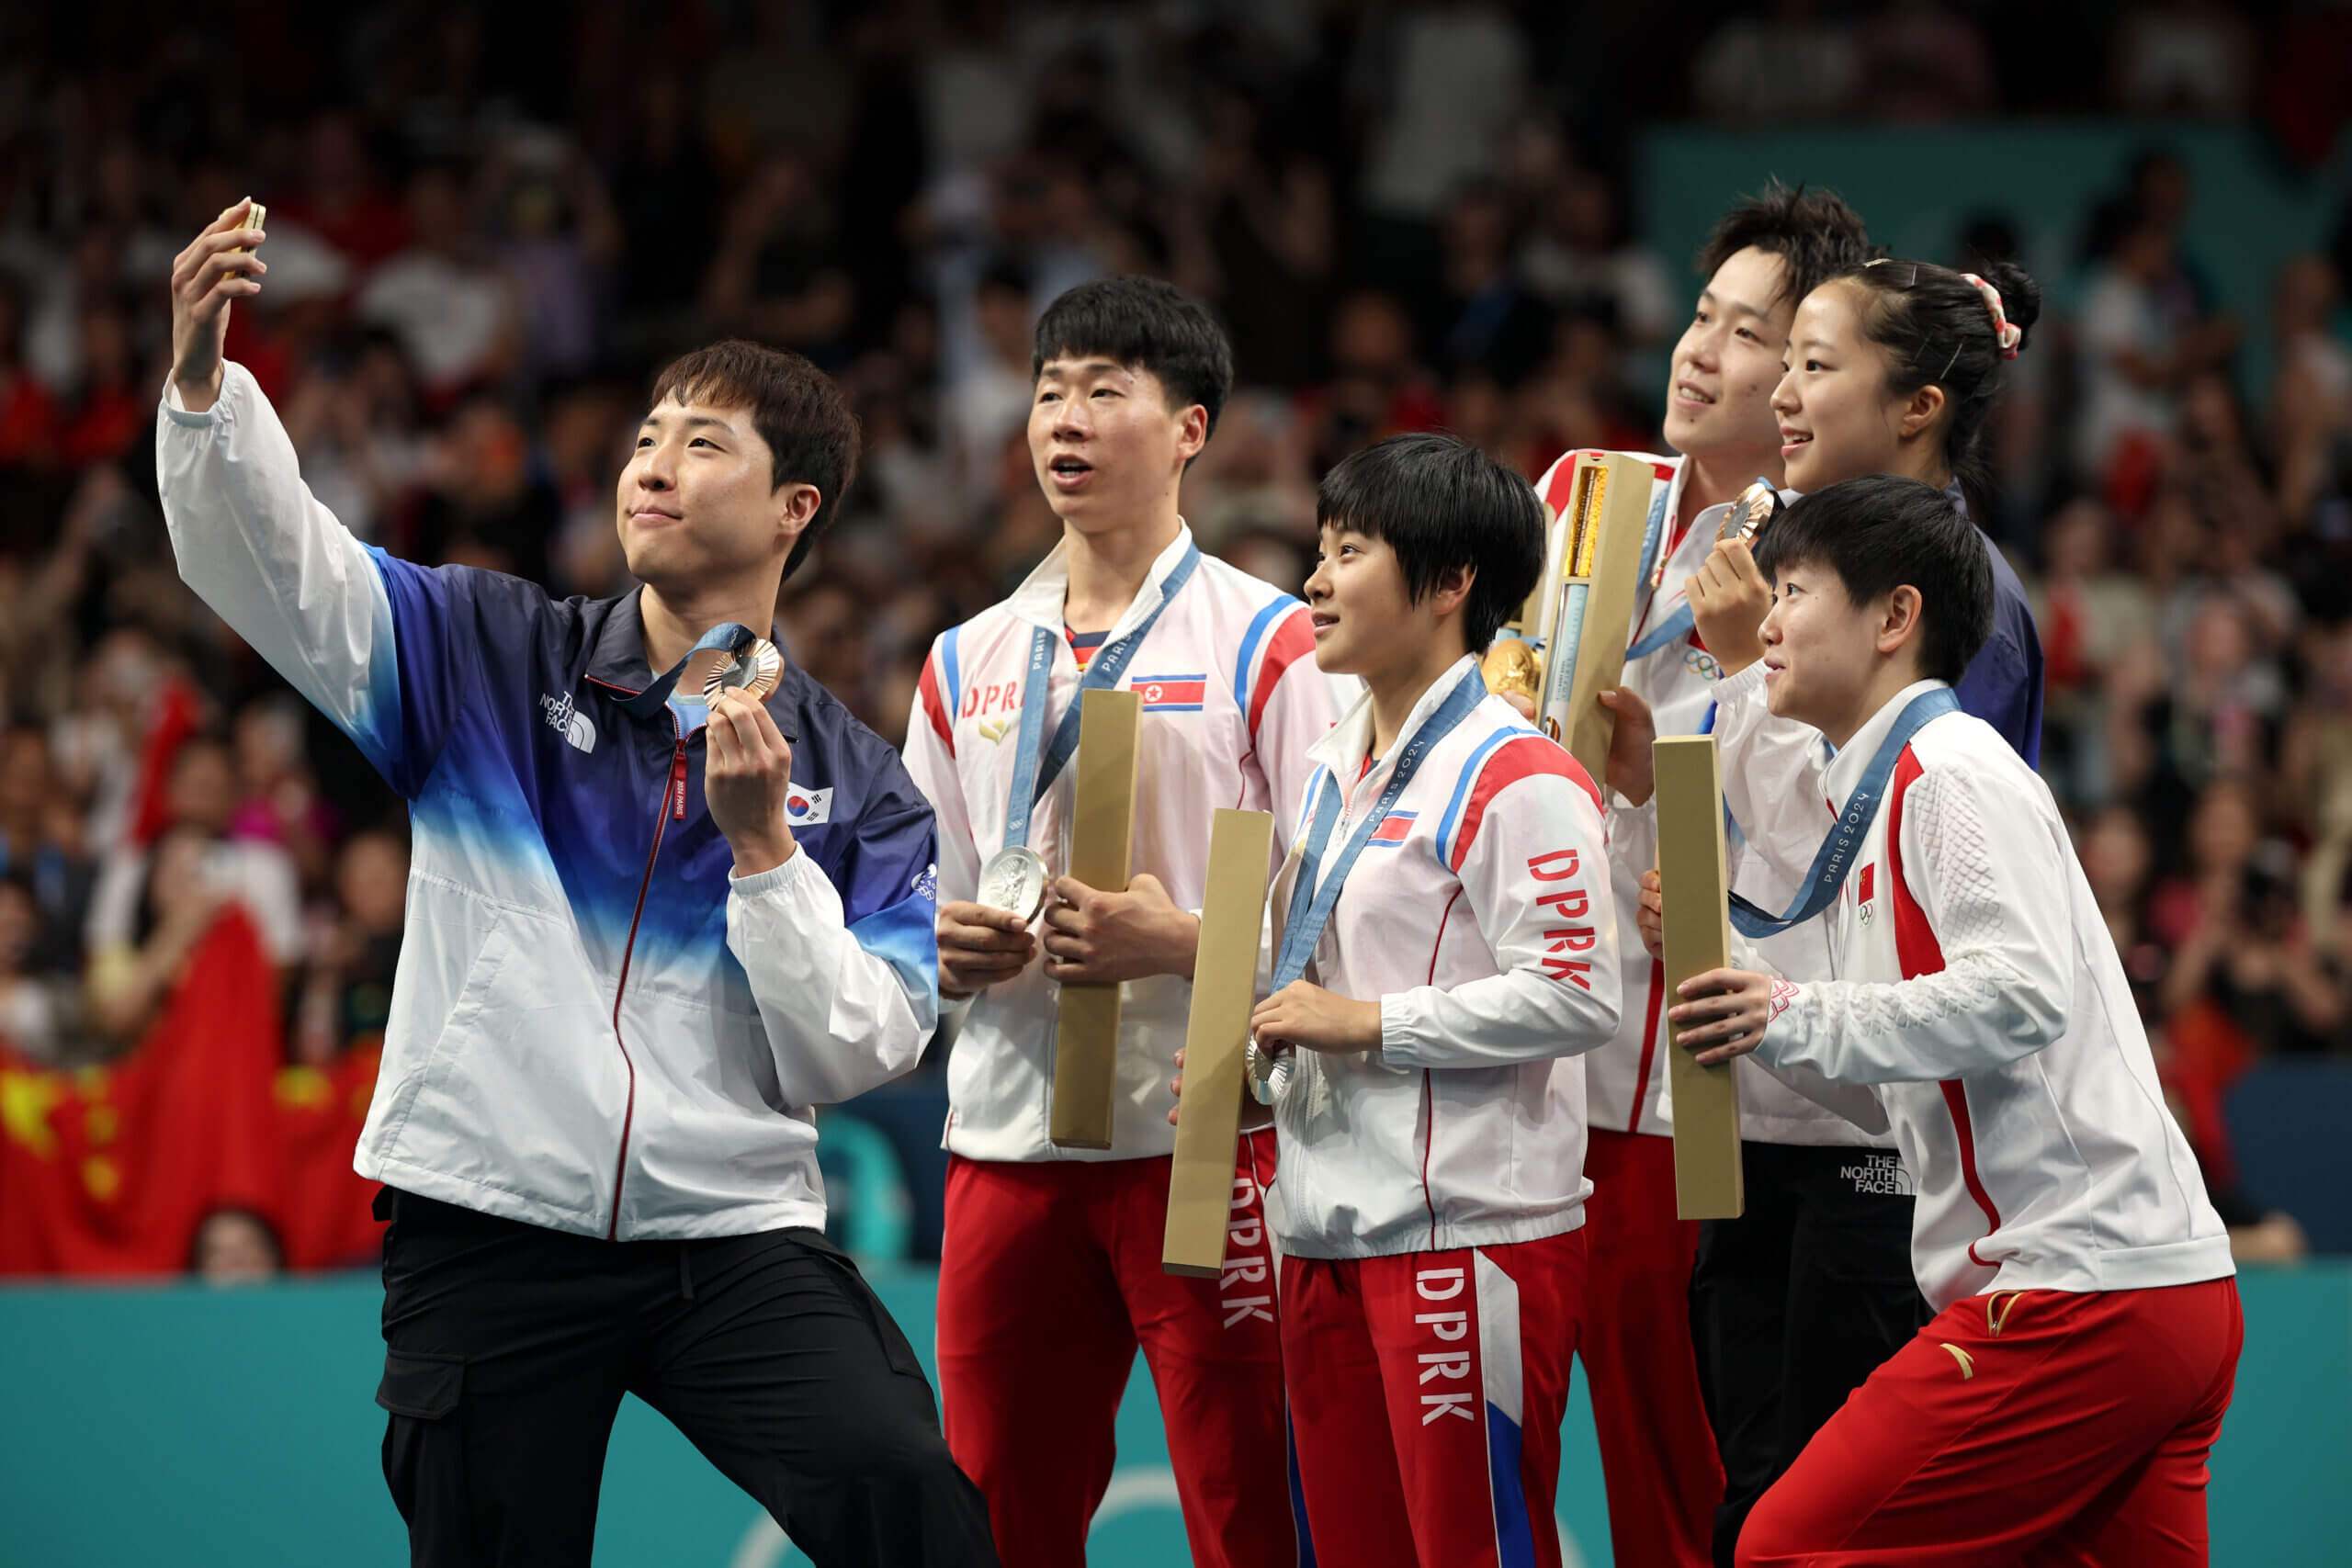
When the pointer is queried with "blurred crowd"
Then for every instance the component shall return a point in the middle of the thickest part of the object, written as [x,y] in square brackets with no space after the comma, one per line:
[487,224]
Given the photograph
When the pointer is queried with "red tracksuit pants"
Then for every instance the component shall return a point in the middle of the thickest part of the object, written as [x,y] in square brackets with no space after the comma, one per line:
[1049,1279]
[2036,1428]
[1658,1448]
[1426,1392]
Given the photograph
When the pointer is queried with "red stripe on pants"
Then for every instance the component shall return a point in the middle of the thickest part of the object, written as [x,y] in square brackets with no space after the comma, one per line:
[1657,1450]
[1382,1358]
[1049,1279]
[2039,1427]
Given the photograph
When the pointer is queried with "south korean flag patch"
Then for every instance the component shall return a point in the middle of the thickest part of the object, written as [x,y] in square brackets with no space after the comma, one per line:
[808,808]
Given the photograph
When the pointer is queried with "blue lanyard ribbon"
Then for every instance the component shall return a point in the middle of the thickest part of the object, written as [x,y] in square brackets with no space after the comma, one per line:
[1653,540]
[1835,855]
[1034,775]
[732,636]
[1313,897]
[1673,626]
[1677,624]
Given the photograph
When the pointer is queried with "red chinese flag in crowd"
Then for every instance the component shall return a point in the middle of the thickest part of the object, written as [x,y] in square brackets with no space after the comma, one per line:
[325,1214]
[174,719]
[109,1170]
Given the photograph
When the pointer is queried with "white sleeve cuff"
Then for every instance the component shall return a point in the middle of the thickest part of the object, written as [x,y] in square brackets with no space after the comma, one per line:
[786,877]
[175,409]
[1731,688]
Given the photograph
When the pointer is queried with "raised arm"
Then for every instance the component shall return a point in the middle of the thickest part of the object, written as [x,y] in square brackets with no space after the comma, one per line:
[265,555]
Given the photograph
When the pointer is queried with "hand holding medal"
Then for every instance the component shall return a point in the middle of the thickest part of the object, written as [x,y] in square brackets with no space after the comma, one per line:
[1014,881]
[987,939]
[1729,598]
[754,671]
[747,780]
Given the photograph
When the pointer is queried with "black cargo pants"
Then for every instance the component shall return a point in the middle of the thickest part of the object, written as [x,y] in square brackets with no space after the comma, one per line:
[508,1347]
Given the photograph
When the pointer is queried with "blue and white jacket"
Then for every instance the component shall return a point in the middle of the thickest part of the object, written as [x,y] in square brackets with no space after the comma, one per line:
[594,1027]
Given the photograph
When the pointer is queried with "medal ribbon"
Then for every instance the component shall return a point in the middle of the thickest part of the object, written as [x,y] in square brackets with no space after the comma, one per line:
[732,636]
[1673,626]
[1312,899]
[1033,775]
[1677,624]
[1834,859]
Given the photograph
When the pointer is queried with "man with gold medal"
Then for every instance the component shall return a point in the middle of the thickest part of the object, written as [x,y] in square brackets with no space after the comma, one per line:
[1659,1451]
[668,899]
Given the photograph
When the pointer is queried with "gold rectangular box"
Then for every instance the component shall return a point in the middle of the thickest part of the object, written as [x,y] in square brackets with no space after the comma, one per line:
[1595,554]
[1224,989]
[1102,827]
[1692,876]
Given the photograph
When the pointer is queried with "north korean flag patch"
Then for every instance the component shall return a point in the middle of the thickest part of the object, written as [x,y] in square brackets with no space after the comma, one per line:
[807,808]
[1172,693]
[1392,831]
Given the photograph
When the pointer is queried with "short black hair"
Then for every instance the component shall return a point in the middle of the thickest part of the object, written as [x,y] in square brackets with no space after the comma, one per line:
[1142,323]
[1881,531]
[1442,503]
[1814,232]
[811,432]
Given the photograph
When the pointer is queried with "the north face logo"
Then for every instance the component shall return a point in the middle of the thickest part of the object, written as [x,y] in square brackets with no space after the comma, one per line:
[565,716]
[1879,1174]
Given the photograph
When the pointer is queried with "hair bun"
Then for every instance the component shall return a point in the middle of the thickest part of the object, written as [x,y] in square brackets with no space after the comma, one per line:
[2020,297]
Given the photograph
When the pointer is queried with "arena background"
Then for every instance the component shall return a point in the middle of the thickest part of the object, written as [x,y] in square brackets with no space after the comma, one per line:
[488,222]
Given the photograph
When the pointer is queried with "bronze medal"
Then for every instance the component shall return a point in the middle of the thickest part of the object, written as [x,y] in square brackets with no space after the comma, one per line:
[1755,506]
[754,673]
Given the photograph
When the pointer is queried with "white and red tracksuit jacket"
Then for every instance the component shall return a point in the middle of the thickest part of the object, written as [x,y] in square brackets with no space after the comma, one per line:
[1977,994]
[1625,1081]
[1479,915]
[1232,700]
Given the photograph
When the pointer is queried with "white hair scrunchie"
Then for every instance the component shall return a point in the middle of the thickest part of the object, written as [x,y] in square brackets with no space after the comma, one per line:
[2008,336]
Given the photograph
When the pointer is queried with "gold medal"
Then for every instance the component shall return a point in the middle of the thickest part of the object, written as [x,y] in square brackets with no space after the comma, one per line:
[754,673]
[1510,666]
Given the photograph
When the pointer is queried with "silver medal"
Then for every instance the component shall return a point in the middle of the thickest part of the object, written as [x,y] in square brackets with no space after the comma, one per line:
[1014,879]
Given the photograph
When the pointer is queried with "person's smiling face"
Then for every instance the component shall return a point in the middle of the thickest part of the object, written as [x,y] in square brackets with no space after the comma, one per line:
[1819,648]
[698,502]
[1357,599]
[1718,399]
[1838,418]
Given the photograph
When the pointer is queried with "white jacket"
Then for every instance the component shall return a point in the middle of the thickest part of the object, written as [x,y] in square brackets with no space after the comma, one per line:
[1232,700]
[1978,996]
[1625,1080]
[1479,915]
[595,1028]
